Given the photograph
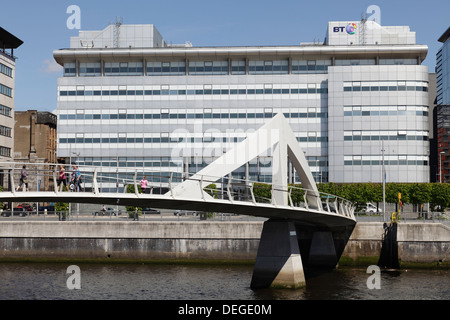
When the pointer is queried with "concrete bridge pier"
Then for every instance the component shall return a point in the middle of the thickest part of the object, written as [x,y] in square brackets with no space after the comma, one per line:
[278,262]
[289,252]
[322,251]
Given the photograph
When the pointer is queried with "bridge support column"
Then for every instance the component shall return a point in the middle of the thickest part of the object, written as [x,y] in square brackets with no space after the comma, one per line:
[278,263]
[322,252]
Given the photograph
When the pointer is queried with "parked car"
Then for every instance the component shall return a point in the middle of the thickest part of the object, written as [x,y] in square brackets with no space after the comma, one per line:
[21,212]
[25,207]
[185,213]
[371,208]
[107,212]
[150,211]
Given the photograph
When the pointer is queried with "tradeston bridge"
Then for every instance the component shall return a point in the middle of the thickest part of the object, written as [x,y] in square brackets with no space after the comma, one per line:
[306,230]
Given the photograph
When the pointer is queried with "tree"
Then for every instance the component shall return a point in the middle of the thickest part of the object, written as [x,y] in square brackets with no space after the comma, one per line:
[440,196]
[392,191]
[211,189]
[262,191]
[131,209]
[61,207]
[419,193]
[376,192]
[62,210]
[297,194]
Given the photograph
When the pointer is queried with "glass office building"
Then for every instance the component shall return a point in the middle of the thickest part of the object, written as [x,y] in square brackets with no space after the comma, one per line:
[443,70]
[443,107]
[8,42]
[129,99]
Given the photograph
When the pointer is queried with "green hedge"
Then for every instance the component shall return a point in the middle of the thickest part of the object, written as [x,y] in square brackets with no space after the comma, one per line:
[437,194]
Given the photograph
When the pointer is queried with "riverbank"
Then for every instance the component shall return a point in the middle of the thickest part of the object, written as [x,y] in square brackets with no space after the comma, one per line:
[196,242]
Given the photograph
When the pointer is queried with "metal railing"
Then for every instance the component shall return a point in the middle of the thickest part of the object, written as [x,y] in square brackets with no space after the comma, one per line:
[229,188]
[88,215]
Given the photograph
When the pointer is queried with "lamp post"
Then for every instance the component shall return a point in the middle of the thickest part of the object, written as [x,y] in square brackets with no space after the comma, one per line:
[70,164]
[383,177]
[440,166]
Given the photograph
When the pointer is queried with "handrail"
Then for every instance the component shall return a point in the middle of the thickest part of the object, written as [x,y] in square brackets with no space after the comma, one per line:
[95,177]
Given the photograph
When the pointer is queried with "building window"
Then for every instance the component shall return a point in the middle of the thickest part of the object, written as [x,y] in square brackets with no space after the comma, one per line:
[237,67]
[4,110]
[5,152]
[268,67]
[7,91]
[310,66]
[90,69]
[5,131]
[208,67]
[207,90]
[5,70]
[206,114]
[70,69]
[386,135]
[398,62]
[174,68]
[358,86]
[355,62]
[377,160]
[393,110]
[123,68]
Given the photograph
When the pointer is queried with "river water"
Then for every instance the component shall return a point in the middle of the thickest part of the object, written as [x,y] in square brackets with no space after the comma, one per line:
[51,281]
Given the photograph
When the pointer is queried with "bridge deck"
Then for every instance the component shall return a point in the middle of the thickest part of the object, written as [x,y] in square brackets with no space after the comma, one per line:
[267,210]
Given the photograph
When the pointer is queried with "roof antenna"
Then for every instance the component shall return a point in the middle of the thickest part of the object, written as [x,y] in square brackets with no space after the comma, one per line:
[362,32]
[118,23]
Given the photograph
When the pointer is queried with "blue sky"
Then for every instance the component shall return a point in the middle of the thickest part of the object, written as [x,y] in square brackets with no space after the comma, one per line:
[42,27]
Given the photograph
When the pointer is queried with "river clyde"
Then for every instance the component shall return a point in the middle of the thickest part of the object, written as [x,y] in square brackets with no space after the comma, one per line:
[53,281]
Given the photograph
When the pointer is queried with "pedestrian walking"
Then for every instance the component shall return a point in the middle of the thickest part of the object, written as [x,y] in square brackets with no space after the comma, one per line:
[62,178]
[23,178]
[136,215]
[143,183]
[75,184]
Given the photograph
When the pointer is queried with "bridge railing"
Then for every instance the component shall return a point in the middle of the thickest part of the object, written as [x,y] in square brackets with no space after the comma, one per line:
[95,179]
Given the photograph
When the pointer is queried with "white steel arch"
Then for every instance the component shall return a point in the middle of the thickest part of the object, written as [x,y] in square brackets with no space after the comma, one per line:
[276,134]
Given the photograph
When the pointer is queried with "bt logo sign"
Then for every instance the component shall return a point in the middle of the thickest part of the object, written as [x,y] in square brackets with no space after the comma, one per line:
[349,28]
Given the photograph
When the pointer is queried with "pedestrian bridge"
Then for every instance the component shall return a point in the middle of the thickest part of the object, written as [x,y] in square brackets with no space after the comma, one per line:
[236,196]
[306,228]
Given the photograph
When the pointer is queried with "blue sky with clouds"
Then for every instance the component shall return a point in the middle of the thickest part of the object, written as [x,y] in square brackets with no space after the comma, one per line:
[42,26]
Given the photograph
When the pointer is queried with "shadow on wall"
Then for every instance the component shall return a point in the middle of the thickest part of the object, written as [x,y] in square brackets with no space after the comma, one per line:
[389,250]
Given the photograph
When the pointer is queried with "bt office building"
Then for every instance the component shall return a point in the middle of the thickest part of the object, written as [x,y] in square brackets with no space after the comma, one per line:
[129,99]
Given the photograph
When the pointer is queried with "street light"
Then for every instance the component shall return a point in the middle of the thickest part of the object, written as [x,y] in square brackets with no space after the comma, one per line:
[440,166]
[383,179]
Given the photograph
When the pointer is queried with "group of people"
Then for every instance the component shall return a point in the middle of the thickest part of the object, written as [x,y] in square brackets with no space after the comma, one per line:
[74,184]
[75,180]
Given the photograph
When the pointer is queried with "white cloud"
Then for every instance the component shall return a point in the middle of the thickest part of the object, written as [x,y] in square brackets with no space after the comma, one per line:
[51,66]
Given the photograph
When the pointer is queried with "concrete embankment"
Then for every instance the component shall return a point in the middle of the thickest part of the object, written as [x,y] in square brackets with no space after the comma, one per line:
[417,244]
[421,244]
